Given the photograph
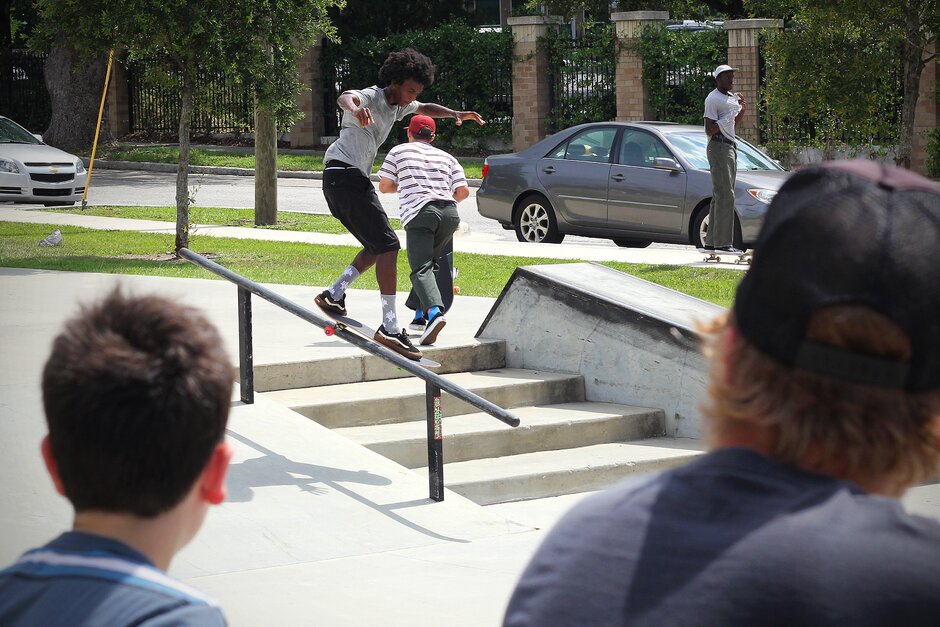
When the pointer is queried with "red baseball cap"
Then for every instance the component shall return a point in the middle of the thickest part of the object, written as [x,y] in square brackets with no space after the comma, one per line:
[422,126]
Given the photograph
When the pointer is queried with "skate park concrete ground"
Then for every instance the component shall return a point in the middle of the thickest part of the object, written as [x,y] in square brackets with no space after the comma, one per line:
[316,530]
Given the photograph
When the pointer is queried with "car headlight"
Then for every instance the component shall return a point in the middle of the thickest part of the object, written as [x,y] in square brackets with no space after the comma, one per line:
[763,195]
[79,166]
[7,165]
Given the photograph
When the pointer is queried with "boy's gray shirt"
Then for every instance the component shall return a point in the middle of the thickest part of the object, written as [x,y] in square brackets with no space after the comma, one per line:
[358,146]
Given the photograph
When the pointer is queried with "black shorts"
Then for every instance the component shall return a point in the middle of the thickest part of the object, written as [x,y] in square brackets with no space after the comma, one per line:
[352,200]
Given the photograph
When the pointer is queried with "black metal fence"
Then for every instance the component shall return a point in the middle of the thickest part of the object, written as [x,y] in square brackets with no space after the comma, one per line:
[582,77]
[219,105]
[23,95]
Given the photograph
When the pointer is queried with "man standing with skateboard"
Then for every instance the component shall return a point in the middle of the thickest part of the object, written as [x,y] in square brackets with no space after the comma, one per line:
[429,183]
[368,117]
[723,112]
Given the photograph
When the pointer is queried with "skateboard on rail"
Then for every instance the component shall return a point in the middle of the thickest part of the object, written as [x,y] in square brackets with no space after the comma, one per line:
[351,324]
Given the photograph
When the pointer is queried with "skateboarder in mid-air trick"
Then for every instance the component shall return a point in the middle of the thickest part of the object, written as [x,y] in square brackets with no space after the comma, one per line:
[429,183]
[368,117]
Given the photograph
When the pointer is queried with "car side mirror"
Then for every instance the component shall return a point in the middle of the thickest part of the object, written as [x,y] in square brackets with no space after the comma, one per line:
[37,136]
[667,163]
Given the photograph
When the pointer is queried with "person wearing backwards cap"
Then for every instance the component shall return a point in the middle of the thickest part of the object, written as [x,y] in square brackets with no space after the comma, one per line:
[723,112]
[429,183]
[823,408]
[368,116]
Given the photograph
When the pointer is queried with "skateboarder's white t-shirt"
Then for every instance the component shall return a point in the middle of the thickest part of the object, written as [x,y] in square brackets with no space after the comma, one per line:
[723,108]
[357,145]
[423,173]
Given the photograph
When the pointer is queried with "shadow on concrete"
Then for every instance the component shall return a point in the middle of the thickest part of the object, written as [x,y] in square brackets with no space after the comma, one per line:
[273,469]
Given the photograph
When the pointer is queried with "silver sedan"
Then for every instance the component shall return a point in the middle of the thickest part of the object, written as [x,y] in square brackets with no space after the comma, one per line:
[635,183]
[33,172]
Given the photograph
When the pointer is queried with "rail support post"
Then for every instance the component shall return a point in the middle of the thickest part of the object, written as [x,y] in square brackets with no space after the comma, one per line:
[435,442]
[245,355]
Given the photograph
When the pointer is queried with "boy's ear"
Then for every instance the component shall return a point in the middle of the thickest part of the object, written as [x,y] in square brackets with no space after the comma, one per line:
[212,481]
[51,466]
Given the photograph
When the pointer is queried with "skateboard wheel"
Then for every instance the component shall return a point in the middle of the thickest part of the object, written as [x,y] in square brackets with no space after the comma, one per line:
[456,289]
[329,330]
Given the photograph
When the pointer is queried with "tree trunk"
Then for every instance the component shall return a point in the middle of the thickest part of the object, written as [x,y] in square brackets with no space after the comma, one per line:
[75,93]
[182,171]
[913,66]
[265,166]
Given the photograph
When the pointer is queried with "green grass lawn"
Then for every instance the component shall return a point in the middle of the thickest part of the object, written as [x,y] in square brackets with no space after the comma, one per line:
[128,252]
[286,221]
[229,159]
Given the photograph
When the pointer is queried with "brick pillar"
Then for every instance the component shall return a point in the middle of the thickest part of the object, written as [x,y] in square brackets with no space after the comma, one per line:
[743,56]
[118,99]
[927,113]
[632,94]
[530,79]
[308,130]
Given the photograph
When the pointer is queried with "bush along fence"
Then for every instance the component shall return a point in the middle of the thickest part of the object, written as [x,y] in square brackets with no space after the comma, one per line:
[473,72]
[531,78]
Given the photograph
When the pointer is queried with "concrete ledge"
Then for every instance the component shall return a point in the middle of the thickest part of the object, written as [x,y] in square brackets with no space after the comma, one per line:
[753,24]
[634,342]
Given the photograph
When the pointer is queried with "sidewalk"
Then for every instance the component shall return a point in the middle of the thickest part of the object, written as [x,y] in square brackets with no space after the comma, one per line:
[464,242]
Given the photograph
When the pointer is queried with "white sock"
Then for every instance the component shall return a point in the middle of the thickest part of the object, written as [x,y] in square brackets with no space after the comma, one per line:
[389,317]
[339,288]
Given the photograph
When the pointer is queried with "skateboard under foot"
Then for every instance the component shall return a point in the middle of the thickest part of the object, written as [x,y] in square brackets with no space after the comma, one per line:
[351,324]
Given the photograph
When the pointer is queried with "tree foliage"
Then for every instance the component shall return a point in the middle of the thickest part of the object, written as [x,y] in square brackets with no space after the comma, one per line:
[583,76]
[877,34]
[678,9]
[380,18]
[257,42]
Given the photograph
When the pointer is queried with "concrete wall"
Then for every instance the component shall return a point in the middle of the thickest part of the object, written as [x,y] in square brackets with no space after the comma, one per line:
[634,342]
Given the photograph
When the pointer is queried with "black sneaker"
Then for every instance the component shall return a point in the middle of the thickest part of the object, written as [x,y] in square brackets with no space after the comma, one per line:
[325,302]
[418,323]
[435,325]
[731,250]
[398,343]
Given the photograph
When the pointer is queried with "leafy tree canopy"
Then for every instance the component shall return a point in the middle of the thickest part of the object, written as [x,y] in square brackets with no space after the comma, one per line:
[678,9]
[379,18]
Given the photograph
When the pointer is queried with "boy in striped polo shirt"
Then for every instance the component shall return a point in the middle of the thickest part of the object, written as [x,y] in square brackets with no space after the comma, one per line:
[136,394]
[429,183]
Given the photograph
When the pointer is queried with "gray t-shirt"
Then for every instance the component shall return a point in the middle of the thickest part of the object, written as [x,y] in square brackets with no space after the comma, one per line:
[723,108]
[358,146]
[733,539]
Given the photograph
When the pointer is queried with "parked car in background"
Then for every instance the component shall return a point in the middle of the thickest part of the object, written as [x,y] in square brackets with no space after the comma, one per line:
[632,182]
[32,172]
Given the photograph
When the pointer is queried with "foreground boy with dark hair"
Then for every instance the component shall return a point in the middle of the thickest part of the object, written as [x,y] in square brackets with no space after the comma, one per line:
[368,117]
[823,409]
[136,393]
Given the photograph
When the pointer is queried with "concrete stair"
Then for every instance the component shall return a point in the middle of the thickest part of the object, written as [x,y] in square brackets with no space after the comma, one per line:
[564,444]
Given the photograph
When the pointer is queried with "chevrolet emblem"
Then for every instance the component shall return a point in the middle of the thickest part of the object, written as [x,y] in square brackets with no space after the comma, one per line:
[54,170]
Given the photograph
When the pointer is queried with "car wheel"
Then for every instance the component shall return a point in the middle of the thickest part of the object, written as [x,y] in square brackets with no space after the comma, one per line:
[632,243]
[700,228]
[535,221]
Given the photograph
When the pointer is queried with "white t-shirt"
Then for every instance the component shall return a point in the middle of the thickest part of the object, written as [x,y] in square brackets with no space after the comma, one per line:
[423,173]
[723,108]
[358,146]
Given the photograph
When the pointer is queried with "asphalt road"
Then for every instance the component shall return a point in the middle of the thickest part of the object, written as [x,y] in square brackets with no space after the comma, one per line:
[134,187]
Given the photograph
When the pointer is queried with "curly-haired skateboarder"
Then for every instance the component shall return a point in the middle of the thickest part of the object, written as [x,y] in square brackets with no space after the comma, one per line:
[368,117]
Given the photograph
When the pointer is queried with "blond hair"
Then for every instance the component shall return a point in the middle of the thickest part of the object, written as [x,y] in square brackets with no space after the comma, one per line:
[874,432]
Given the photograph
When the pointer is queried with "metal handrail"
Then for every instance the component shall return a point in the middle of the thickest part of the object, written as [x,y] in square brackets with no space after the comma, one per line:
[435,382]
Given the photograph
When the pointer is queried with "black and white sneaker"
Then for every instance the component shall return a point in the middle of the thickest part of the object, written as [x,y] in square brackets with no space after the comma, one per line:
[418,324]
[731,250]
[325,302]
[398,342]
[434,327]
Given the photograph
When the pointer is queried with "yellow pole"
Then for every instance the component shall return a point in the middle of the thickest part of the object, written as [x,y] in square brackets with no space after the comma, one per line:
[94,147]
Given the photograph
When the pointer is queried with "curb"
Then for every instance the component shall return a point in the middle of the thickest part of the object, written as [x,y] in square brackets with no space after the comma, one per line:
[105,164]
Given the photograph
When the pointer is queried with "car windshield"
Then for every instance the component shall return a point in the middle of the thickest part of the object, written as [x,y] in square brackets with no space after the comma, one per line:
[692,146]
[13,133]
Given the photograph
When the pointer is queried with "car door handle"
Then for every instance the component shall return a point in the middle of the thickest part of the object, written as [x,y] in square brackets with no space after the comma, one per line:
[548,169]
[618,177]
